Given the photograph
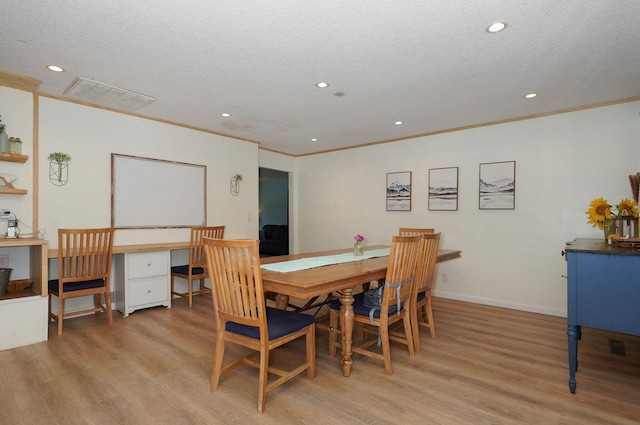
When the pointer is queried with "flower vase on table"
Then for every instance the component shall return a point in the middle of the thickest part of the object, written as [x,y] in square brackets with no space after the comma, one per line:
[606,226]
[600,215]
[357,247]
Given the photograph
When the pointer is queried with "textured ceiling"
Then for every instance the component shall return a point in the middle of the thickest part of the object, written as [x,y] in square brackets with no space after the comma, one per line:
[430,64]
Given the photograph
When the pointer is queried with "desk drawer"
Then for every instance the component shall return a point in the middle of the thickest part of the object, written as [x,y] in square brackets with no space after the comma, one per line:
[145,264]
[147,291]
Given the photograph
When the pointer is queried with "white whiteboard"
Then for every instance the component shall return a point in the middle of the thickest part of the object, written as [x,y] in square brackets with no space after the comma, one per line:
[154,193]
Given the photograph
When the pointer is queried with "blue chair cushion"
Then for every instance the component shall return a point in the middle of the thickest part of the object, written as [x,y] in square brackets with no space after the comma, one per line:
[76,286]
[358,306]
[185,270]
[279,322]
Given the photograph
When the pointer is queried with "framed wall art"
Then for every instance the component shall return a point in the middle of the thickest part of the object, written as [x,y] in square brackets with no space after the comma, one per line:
[498,185]
[399,191]
[443,189]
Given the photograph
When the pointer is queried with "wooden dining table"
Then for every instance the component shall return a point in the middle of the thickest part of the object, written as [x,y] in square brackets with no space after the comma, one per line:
[318,281]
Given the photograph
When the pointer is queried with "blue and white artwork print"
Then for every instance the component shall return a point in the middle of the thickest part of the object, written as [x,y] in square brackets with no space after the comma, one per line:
[399,191]
[443,189]
[498,185]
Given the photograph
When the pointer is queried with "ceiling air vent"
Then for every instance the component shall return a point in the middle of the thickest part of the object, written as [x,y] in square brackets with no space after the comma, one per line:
[96,92]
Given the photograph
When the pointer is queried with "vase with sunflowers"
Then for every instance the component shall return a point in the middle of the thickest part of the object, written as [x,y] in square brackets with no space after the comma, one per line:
[600,214]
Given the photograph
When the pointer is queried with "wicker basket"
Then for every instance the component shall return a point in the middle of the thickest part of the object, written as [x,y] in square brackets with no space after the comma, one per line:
[18,285]
[624,225]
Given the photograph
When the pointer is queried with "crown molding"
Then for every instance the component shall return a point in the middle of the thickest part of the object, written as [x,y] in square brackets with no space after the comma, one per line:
[19,82]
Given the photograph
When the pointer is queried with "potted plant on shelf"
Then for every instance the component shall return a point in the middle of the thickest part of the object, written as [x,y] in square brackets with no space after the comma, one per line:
[15,145]
[4,138]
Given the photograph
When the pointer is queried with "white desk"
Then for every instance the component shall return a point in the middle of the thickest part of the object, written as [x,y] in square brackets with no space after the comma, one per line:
[148,266]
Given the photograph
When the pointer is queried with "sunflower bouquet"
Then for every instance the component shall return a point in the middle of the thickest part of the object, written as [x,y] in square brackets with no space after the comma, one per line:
[600,211]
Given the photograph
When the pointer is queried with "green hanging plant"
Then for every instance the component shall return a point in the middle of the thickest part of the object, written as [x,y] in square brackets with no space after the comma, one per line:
[59,157]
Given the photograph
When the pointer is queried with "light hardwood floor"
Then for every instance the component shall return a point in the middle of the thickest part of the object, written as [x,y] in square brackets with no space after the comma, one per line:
[486,366]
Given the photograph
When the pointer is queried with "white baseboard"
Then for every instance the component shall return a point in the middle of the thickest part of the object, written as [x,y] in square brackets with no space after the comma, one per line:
[496,303]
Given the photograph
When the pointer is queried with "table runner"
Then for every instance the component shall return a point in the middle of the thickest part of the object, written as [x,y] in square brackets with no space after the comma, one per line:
[326,260]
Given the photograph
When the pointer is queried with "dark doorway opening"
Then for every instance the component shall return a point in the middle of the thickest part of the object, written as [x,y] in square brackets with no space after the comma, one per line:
[273,219]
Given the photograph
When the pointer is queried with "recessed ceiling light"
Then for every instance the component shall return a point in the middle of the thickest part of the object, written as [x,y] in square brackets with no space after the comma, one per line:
[314,140]
[398,122]
[322,85]
[55,68]
[530,95]
[225,114]
[497,27]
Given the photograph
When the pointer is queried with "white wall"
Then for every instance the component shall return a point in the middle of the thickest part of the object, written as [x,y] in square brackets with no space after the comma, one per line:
[17,114]
[89,135]
[509,258]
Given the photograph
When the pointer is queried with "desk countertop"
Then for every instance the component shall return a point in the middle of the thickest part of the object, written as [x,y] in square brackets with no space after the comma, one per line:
[10,242]
[123,249]
[598,246]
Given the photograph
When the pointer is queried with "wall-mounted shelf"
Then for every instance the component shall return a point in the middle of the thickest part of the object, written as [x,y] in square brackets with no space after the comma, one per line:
[13,157]
[13,191]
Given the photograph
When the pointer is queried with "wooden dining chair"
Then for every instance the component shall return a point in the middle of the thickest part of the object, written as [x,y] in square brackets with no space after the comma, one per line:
[412,231]
[397,292]
[197,267]
[243,318]
[420,306]
[84,268]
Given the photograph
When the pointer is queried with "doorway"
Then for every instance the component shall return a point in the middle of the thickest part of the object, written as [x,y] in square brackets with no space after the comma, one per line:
[273,204]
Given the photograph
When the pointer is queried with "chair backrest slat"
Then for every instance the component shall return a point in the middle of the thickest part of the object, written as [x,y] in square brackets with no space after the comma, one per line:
[427,258]
[197,257]
[84,254]
[403,258]
[412,231]
[236,281]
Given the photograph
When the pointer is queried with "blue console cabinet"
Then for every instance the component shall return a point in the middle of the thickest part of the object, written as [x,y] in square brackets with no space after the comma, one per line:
[603,292]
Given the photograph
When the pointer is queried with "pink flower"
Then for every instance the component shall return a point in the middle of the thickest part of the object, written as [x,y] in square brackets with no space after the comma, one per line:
[358,238]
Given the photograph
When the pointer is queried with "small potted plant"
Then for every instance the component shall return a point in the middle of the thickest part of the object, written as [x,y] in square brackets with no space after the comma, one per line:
[15,145]
[4,138]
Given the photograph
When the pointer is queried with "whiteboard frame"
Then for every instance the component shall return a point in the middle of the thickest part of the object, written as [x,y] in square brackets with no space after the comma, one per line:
[167,187]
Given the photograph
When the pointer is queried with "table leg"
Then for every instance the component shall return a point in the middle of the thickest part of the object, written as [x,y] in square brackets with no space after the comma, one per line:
[573,332]
[282,301]
[346,325]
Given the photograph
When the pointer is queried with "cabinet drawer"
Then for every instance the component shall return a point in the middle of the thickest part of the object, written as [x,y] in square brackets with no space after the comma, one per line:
[148,291]
[145,264]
